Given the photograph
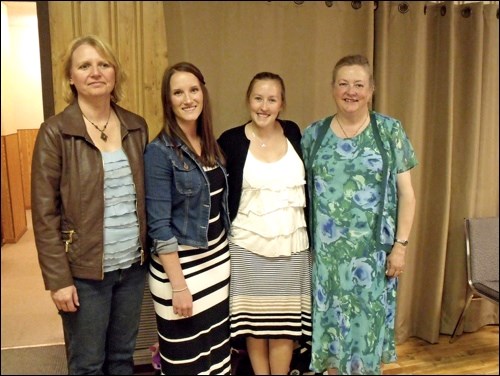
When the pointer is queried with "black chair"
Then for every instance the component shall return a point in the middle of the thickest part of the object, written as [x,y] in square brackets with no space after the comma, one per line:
[481,243]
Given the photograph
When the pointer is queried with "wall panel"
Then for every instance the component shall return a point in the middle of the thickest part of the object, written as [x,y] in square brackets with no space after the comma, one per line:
[26,139]
[14,223]
[155,60]
[126,24]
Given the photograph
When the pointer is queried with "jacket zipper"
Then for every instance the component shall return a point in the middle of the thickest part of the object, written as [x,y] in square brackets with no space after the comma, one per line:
[67,242]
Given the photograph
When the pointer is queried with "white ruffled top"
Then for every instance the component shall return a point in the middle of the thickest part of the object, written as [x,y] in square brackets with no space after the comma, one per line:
[270,219]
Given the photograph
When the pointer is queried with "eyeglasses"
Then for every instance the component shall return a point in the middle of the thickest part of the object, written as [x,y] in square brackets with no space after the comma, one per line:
[357,87]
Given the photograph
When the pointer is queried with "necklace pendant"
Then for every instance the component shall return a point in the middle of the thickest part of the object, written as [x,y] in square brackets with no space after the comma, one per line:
[104,137]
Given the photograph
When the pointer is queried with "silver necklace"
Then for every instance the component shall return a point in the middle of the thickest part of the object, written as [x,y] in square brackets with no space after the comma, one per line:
[104,136]
[259,141]
[357,131]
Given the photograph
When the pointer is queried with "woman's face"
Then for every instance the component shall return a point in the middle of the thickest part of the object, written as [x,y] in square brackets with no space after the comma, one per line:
[265,102]
[186,97]
[352,91]
[91,74]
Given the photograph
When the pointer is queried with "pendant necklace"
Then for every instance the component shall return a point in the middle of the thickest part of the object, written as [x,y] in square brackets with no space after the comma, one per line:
[357,131]
[260,142]
[104,136]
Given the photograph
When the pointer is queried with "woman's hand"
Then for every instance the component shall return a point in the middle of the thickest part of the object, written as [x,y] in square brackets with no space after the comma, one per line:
[66,299]
[396,261]
[182,303]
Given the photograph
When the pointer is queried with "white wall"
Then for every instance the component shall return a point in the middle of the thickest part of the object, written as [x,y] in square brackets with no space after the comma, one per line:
[22,105]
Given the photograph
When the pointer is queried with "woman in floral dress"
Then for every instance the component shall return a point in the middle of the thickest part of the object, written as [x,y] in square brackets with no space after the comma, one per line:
[361,213]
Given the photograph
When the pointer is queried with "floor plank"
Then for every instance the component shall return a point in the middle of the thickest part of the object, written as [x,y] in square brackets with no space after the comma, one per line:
[471,354]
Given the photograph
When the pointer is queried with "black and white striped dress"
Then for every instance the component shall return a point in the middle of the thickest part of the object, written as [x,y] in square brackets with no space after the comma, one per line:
[198,344]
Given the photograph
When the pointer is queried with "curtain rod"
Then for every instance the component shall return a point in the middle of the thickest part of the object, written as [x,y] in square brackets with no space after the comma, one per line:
[404,6]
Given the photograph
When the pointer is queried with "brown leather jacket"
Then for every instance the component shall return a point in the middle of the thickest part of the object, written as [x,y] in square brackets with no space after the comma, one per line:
[67,194]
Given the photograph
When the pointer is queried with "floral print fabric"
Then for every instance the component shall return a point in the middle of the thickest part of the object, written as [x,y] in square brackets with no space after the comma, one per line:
[353,301]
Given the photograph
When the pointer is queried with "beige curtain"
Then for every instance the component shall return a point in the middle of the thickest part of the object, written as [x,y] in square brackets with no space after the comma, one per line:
[436,69]
[232,41]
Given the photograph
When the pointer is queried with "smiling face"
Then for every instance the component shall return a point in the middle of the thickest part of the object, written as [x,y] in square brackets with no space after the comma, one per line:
[352,90]
[265,102]
[91,74]
[186,97]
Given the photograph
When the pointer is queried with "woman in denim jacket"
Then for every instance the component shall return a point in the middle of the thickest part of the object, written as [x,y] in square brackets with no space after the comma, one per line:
[186,203]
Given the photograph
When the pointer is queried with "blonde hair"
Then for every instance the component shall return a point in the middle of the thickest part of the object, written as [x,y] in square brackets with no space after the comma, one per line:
[69,91]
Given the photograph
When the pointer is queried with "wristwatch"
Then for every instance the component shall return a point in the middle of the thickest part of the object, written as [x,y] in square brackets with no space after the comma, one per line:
[404,243]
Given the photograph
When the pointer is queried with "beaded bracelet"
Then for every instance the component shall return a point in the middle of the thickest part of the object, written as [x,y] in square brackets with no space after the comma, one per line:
[180,290]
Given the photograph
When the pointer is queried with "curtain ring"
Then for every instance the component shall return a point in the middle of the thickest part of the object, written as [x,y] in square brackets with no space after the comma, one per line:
[375,5]
[443,10]
[328,3]
[298,2]
[403,7]
[356,4]
[466,12]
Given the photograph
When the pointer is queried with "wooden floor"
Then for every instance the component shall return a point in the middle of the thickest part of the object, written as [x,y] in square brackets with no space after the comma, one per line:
[471,354]
[29,318]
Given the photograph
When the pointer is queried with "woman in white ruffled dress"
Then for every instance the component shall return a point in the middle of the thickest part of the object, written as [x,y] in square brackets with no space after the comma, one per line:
[270,292]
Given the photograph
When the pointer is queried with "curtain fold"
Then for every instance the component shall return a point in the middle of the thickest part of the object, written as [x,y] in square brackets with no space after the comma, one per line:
[475,151]
[436,69]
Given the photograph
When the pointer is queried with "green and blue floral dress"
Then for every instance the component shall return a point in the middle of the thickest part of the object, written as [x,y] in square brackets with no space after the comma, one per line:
[353,208]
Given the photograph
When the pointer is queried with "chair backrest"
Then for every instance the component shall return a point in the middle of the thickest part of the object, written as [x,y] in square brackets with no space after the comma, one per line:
[481,235]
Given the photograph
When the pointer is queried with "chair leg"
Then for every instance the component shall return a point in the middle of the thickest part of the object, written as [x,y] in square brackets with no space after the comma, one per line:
[462,316]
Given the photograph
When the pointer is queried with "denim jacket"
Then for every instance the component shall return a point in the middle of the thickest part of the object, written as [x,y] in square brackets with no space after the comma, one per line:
[177,196]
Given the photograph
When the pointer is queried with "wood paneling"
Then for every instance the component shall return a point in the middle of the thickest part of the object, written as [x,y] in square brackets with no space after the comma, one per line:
[14,223]
[135,29]
[26,139]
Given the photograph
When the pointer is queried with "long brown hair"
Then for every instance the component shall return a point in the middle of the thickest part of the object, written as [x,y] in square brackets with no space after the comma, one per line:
[210,151]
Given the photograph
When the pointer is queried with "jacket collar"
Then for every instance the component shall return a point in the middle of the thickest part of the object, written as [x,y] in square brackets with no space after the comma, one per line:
[73,124]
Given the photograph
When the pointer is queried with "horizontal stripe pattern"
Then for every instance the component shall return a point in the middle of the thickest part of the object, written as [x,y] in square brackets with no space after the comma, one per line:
[199,344]
[272,298]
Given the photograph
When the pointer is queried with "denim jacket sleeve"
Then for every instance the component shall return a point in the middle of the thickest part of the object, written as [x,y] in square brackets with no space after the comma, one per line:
[162,247]
[158,177]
